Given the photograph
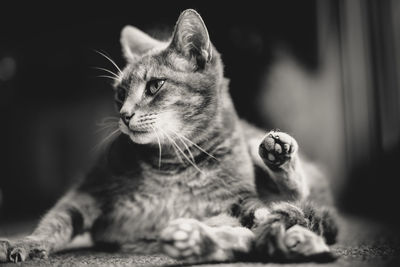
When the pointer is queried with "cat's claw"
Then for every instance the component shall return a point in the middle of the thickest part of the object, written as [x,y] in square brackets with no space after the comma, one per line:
[186,239]
[21,251]
[17,255]
[277,148]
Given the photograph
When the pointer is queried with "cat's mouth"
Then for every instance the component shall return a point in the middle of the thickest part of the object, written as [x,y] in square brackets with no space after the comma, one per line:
[138,129]
[141,128]
[141,135]
[141,131]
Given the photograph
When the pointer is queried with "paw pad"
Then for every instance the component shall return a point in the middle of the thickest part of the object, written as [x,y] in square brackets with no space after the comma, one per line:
[185,239]
[277,148]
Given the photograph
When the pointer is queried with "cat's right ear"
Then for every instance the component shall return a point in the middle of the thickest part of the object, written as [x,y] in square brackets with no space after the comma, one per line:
[135,43]
[191,38]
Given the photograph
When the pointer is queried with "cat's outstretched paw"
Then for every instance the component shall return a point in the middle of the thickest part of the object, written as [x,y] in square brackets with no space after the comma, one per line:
[22,250]
[277,148]
[188,240]
[4,246]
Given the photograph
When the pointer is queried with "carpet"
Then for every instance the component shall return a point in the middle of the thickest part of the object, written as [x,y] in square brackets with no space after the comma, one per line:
[361,242]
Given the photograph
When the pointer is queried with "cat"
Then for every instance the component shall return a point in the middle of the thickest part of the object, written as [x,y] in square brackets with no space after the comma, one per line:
[186,177]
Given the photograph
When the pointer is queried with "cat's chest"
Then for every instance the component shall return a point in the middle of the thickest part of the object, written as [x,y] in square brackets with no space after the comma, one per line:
[151,203]
[185,195]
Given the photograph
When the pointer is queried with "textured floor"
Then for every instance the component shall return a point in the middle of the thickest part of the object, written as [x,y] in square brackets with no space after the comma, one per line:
[361,243]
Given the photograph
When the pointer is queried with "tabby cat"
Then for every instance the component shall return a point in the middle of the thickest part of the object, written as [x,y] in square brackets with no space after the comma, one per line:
[187,177]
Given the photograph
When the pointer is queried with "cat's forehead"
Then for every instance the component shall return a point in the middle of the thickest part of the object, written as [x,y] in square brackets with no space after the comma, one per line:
[155,65]
[138,71]
[141,68]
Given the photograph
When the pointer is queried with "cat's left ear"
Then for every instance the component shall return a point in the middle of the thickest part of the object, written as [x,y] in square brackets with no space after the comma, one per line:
[135,42]
[191,38]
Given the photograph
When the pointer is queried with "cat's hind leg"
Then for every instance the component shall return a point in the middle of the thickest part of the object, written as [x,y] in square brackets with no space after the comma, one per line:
[193,241]
[286,232]
[283,232]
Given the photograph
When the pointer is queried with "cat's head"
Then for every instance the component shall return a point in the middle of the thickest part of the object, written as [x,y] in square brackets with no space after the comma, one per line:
[168,88]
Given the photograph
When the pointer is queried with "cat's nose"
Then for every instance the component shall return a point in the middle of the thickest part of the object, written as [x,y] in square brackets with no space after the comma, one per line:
[126,117]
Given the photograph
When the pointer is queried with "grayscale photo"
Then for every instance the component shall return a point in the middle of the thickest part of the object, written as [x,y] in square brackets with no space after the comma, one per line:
[197,133]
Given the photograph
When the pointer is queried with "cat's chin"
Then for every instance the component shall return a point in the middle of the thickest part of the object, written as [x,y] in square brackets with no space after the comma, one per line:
[142,138]
[139,137]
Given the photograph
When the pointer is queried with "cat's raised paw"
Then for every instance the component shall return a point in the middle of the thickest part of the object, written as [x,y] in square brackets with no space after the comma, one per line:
[186,239]
[277,148]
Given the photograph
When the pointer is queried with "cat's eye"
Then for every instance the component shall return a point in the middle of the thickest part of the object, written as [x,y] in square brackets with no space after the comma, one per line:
[154,85]
[120,94]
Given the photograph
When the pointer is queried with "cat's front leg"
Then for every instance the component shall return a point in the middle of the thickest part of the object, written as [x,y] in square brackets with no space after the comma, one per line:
[279,152]
[4,246]
[74,213]
[193,241]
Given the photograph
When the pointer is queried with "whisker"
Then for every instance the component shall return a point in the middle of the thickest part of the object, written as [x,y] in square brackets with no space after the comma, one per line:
[106,126]
[105,139]
[179,155]
[107,121]
[210,155]
[183,153]
[108,71]
[107,76]
[109,59]
[196,145]
[109,118]
[186,146]
[173,146]
[159,146]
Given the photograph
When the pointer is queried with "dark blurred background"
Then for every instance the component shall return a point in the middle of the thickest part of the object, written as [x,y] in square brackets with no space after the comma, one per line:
[326,71]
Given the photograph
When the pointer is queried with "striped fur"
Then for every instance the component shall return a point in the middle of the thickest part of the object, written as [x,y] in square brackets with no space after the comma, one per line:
[187,176]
